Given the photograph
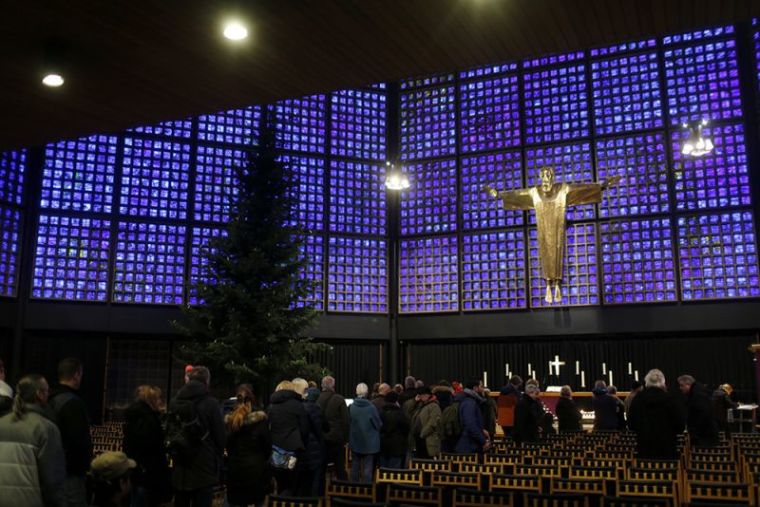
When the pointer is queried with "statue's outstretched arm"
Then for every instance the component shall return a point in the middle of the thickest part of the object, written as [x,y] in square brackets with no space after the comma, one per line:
[512,199]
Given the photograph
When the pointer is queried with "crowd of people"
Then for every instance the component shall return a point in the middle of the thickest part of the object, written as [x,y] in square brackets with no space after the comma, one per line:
[47,454]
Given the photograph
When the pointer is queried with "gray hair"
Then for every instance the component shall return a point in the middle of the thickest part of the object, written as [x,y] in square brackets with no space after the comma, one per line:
[409,382]
[361,390]
[532,389]
[611,390]
[566,392]
[686,379]
[655,378]
[328,383]
[600,384]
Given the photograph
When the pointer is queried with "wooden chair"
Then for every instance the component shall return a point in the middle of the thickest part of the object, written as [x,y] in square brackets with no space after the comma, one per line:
[455,479]
[502,482]
[537,470]
[654,464]
[555,461]
[634,502]
[488,468]
[292,501]
[554,500]
[430,465]
[459,458]
[697,475]
[470,498]
[344,502]
[592,473]
[510,458]
[653,474]
[350,490]
[398,476]
[718,466]
[583,487]
[649,489]
[742,494]
[414,495]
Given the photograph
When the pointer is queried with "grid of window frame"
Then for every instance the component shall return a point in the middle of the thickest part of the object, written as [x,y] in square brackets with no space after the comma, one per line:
[430,206]
[199,247]
[504,171]
[10,233]
[216,182]
[428,123]
[307,177]
[357,198]
[300,124]
[428,275]
[236,126]
[12,169]
[357,275]
[181,129]
[490,117]
[357,124]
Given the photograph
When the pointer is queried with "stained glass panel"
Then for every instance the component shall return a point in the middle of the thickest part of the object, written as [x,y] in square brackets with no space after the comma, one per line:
[358,122]
[556,104]
[300,124]
[12,169]
[428,123]
[428,275]
[216,182]
[313,250]
[10,232]
[503,171]
[430,205]
[175,128]
[357,198]
[199,251]
[236,126]
[308,182]
[357,279]
[493,271]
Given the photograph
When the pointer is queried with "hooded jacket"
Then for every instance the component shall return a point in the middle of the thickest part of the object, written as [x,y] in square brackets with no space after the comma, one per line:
[365,427]
[657,420]
[248,451]
[335,412]
[288,421]
[74,425]
[428,416]
[394,432]
[605,410]
[144,443]
[471,420]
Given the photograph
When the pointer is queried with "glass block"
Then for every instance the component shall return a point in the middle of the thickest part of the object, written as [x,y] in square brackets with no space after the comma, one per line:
[358,122]
[641,162]
[572,164]
[488,70]
[79,175]
[154,178]
[12,169]
[580,285]
[378,86]
[182,129]
[307,190]
[503,171]
[626,93]
[10,233]
[357,279]
[236,126]
[428,275]
[556,59]
[638,261]
[357,198]
[624,47]
[556,104]
[425,81]
[493,271]
[717,179]
[300,124]
[199,265]
[718,254]
[216,182]
[756,38]
[313,250]
[720,31]
[490,114]
[430,205]
[71,259]
[428,123]
[702,82]
[150,264]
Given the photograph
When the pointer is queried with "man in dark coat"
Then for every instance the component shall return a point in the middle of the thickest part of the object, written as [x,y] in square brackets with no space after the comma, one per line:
[335,412]
[657,419]
[722,403]
[529,413]
[473,437]
[394,433]
[379,400]
[410,390]
[74,423]
[605,408]
[567,411]
[196,475]
[703,429]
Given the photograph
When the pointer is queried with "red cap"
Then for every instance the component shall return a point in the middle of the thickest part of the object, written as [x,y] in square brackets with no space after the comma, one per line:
[188,368]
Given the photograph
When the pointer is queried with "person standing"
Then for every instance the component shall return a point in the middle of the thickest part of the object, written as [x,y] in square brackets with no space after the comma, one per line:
[509,396]
[335,411]
[568,414]
[620,412]
[605,408]
[313,457]
[700,420]
[289,426]
[74,424]
[529,414]
[31,453]
[427,443]
[657,419]
[144,442]
[379,400]
[444,393]
[6,392]
[636,388]
[394,433]
[722,403]
[473,437]
[364,439]
[196,473]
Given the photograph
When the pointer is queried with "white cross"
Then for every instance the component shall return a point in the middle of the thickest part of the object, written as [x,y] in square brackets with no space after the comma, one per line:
[555,364]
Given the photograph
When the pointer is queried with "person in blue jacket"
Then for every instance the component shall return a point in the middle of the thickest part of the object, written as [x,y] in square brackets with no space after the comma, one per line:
[474,438]
[364,436]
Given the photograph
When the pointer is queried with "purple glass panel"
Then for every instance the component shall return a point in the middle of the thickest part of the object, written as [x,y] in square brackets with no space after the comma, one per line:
[428,275]
[236,126]
[12,168]
[572,164]
[717,179]
[216,182]
[638,263]
[175,128]
[300,124]
[313,250]
[358,122]
[357,198]
[150,262]
[579,284]
[624,47]
[428,126]
[425,81]
[718,254]
[307,190]
[503,171]
[756,37]
[490,117]
[357,279]
[378,86]
[556,104]
[488,70]
[199,252]
[703,82]
[79,175]
[626,93]
[155,178]
[10,229]
[430,205]
[71,260]
[493,271]
[720,31]
[557,59]
[641,162]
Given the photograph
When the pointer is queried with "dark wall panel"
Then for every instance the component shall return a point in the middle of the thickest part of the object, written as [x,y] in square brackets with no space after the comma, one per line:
[132,363]
[351,363]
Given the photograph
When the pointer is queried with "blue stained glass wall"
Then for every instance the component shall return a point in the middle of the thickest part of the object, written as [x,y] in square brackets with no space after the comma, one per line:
[216,182]
[493,270]
[12,172]
[428,279]
[308,182]
[236,126]
[431,204]
[502,170]
[358,123]
[199,249]
[357,198]
[300,124]
[360,282]
[428,123]
[490,113]
[12,169]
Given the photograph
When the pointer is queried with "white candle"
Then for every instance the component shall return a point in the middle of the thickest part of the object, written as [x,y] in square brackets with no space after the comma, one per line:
[550,368]
[636,375]
[485,379]
[506,369]
[583,378]
[604,368]
[630,369]
[611,382]
[577,367]
[529,369]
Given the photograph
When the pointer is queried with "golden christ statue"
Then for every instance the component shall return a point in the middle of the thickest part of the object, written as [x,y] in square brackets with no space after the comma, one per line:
[550,201]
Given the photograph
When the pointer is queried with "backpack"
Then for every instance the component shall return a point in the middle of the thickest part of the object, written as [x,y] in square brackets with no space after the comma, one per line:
[184,431]
[450,427]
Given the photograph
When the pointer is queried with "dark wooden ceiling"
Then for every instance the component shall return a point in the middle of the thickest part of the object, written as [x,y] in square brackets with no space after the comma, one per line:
[134,62]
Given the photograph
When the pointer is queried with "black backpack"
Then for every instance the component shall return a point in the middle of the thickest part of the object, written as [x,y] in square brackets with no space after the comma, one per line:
[450,427]
[185,432]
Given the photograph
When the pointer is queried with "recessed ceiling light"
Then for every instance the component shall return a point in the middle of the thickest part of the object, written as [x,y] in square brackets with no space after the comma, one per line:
[235,30]
[53,80]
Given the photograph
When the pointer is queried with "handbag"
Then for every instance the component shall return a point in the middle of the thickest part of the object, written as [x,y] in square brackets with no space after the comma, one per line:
[282,459]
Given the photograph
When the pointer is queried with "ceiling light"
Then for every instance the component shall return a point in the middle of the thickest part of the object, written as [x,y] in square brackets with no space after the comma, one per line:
[395,180]
[235,30]
[53,80]
[696,144]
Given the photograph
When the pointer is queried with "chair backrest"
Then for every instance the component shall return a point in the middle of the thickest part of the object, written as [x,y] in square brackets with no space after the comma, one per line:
[346,489]
[697,475]
[554,461]
[292,501]
[459,458]
[584,487]
[488,468]
[652,474]
[718,466]
[537,470]
[455,479]
[656,463]
[635,502]
[430,465]
[649,489]
[398,476]
[473,498]
[554,500]
[515,482]
[344,502]
[415,495]
[512,458]
[592,473]
[719,492]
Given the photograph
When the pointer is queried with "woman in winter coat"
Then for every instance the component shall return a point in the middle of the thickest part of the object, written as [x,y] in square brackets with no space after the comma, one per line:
[394,433]
[311,464]
[249,446]
[289,427]
[364,437]
[427,442]
[144,443]
[567,412]
[605,408]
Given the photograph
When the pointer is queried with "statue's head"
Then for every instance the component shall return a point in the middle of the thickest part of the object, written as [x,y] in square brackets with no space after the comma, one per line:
[546,175]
